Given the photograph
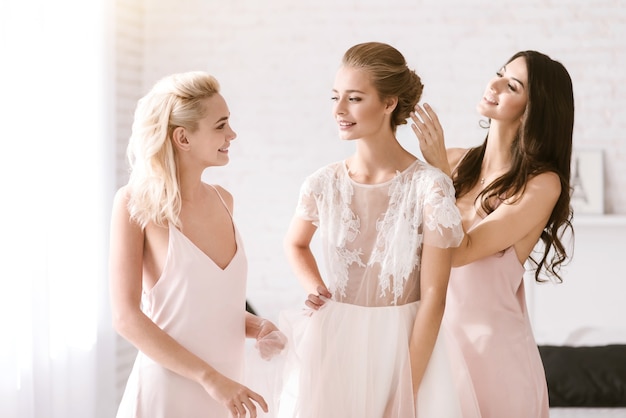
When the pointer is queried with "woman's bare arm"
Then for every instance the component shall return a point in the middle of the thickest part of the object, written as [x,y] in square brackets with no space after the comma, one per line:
[435,273]
[297,247]
[126,266]
[516,222]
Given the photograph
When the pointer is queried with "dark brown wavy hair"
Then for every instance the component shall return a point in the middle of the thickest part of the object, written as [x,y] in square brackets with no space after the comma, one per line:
[542,144]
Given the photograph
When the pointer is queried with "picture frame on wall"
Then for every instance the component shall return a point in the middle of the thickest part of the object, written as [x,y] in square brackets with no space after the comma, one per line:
[587,182]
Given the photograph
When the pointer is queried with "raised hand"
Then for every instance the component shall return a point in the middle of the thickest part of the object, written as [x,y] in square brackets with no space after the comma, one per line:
[430,137]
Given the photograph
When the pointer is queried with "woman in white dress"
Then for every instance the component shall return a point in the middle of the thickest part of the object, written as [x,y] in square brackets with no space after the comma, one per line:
[371,346]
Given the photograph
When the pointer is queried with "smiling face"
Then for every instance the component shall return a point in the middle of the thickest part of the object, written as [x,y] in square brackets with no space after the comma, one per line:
[358,109]
[210,141]
[506,95]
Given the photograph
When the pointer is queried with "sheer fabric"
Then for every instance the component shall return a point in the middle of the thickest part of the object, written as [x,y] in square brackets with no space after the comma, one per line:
[351,358]
[372,235]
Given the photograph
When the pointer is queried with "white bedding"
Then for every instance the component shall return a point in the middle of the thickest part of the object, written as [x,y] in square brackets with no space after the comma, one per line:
[587,412]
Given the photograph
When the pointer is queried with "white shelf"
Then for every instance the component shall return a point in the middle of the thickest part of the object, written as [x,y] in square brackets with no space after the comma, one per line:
[599,220]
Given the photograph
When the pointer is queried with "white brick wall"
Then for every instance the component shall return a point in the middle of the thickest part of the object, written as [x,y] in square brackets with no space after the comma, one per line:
[276,62]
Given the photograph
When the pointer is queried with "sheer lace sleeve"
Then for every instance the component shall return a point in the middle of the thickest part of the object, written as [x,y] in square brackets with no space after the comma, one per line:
[307,206]
[442,220]
[372,235]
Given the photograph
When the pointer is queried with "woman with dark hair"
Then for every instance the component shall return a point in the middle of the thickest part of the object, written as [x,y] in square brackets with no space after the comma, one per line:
[371,347]
[513,191]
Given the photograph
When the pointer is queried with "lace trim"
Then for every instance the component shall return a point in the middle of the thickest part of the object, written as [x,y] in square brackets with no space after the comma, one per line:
[393,245]
[417,198]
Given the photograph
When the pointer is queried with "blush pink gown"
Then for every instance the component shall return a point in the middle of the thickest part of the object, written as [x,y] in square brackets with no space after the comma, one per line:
[486,314]
[203,307]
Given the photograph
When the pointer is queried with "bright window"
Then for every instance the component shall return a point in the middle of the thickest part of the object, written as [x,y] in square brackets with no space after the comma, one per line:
[55,176]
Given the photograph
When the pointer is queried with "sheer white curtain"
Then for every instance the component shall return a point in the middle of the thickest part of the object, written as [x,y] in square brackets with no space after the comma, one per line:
[55,164]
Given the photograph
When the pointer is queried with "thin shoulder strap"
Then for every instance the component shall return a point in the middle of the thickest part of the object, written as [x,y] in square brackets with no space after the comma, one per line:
[222,199]
[458,163]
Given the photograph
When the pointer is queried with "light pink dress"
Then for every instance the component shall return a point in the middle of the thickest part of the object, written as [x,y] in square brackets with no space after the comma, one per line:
[486,313]
[203,307]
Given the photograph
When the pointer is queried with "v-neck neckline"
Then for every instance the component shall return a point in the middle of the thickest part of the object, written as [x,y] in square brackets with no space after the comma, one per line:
[193,244]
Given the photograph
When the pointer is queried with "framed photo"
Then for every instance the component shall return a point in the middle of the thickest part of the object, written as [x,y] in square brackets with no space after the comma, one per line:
[587,182]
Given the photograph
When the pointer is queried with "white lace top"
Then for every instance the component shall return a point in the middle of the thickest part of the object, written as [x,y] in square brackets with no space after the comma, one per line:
[372,234]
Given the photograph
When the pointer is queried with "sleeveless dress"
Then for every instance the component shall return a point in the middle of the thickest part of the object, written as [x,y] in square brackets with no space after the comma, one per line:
[203,308]
[351,358]
[487,315]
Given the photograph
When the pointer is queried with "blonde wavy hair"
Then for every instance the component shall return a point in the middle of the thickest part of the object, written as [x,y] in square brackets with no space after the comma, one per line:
[175,101]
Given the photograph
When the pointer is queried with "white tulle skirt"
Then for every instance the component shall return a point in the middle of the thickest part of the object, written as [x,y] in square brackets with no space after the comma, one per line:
[353,361]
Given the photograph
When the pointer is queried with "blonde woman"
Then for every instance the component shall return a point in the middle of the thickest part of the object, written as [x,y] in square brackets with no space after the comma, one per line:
[177,262]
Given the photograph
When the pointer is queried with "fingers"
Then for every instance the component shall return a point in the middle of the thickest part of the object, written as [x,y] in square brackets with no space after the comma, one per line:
[426,114]
[323,291]
[316,301]
[420,128]
[425,122]
[250,407]
[258,399]
[271,345]
[432,115]
[241,408]
[236,410]
[267,327]
[418,133]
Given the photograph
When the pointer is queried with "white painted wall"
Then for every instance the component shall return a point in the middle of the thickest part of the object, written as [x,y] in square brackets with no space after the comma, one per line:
[588,308]
[276,61]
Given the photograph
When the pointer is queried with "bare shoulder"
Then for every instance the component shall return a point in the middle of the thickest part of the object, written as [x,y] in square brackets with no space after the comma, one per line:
[122,224]
[225,194]
[543,188]
[121,198]
[547,183]
[455,155]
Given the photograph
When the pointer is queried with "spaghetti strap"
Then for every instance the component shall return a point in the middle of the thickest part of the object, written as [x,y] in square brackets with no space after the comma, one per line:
[458,163]
[222,199]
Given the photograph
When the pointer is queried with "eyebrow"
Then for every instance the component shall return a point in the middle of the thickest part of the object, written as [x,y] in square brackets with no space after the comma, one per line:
[350,91]
[222,119]
[522,84]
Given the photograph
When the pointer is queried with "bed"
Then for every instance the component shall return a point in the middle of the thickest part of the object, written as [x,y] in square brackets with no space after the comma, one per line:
[587,309]
[586,375]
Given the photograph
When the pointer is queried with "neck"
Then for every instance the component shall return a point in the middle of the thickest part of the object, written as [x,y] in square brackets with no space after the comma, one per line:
[189,183]
[497,159]
[376,161]
[498,150]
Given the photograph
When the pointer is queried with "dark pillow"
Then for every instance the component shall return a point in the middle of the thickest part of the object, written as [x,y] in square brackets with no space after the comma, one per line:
[585,376]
